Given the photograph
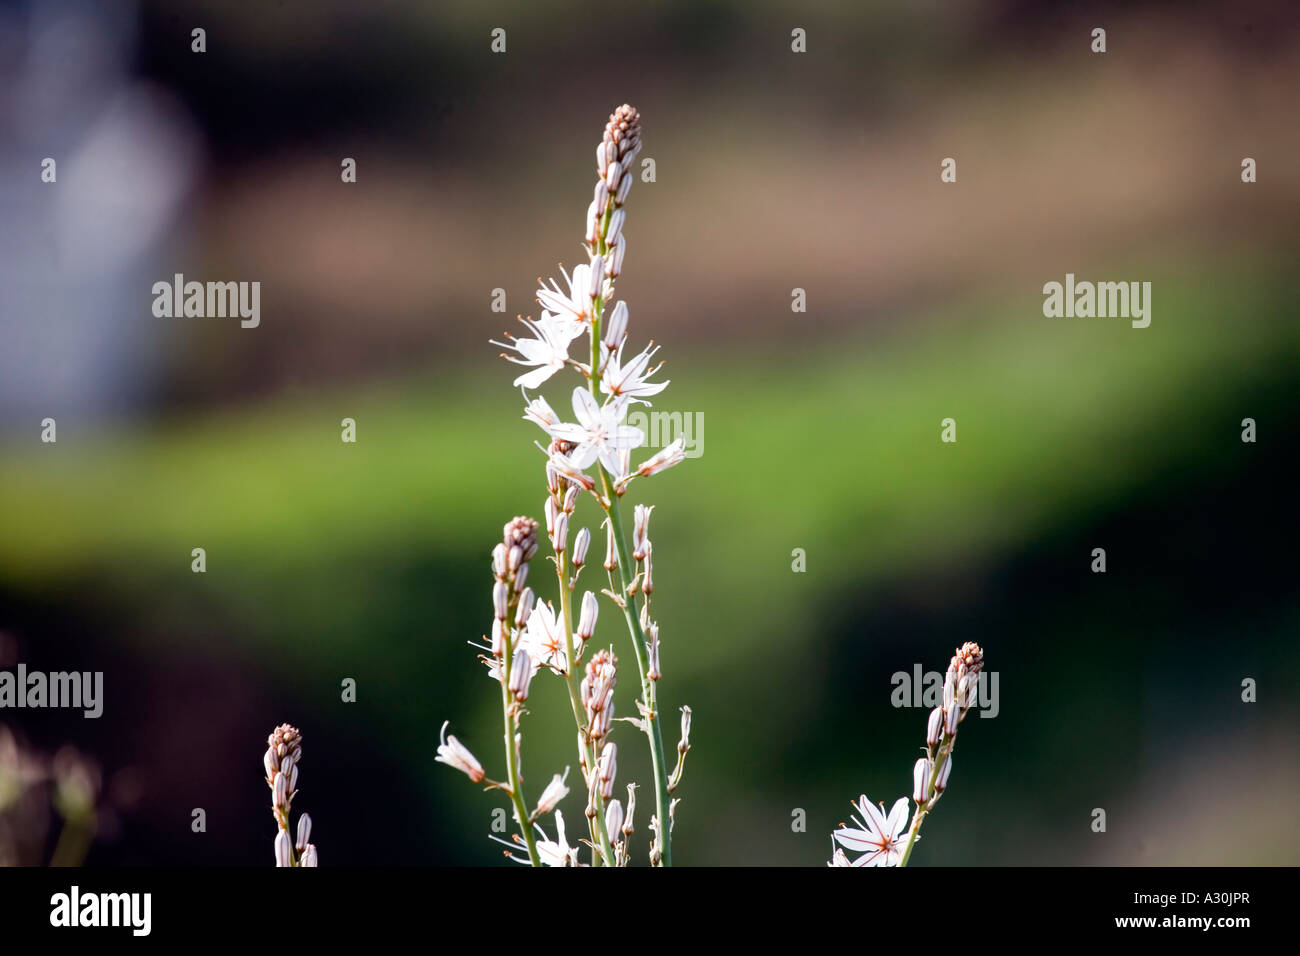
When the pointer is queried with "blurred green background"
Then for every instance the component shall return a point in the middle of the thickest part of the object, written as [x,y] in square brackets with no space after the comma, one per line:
[820,429]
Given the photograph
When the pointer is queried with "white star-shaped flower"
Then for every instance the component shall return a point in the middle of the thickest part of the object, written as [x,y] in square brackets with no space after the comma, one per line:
[629,381]
[549,350]
[544,639]
[880,837]
[573,308]
[600,432]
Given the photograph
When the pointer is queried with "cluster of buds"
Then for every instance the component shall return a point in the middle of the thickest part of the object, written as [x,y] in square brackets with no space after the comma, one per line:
[960,687]
[283,751]
[614,157]
[598,693]
[510,594]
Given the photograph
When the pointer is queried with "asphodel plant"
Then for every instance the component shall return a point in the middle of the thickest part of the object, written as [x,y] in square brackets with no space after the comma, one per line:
[586,460]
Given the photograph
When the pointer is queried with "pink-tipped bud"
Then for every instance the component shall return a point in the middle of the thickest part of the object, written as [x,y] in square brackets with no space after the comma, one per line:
[934,727]
[615,333]
[283,849]
[614,261]
[652,639]
[640,530]
[941,783]
[521,674]
[304,832]
[560,538]
[951,716]
[570,500]
[607,769]
[270,763]
[647,578]
[587,619]
[611,548]
[500,600]
[521,575]
[499,561]
[280,791]
[920,780]
[580,545]
[613,819]
[525,610]
[615,226]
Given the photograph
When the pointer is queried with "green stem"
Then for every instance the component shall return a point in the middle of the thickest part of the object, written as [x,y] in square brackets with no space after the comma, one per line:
[651,718]
[512,756]
[918,818]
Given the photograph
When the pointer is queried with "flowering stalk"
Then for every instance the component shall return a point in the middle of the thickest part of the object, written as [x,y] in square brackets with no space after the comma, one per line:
[886,839]
[283,750]
[598,437]
[930,775]
[620,146]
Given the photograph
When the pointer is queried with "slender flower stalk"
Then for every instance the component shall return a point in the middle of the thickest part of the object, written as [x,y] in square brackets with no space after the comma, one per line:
[283,751]
[887,839]
[591,455]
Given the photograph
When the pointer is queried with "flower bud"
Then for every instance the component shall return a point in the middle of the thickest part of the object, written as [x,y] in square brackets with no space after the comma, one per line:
[613,819]
[951,716]
[570,499]
[304,832]
[526,601]
[934,727]
[309,857]
[587,619]
[615,333]
[280,791]
[640,531]
[580,545]
[500,600]
[920,780]
[611,549]
[615,226]
[647,579]
[521,674]
[499,561]
[941,783]
[283,849]
[270,762]
[521,576]
[560,538]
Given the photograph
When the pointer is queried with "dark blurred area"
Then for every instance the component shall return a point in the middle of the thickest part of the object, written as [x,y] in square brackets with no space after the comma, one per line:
[774,171]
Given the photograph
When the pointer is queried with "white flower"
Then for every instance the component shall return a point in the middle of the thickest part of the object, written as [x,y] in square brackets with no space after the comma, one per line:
[551,853]
[882,838]
[573,308]
[555,792]
[630,380]
[557,853]
[539,410]
[600,432]
[548,351]
[455,754]
[544,639]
